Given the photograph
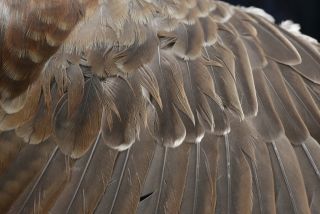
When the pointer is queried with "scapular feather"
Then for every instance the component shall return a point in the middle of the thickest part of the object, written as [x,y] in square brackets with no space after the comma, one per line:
[173,95]
[76,134]
[275,45]
[122,131]
[224,77]
[243,74]
[189,40]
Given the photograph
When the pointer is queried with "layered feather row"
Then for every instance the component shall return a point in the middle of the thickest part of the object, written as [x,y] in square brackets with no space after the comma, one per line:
[217,111]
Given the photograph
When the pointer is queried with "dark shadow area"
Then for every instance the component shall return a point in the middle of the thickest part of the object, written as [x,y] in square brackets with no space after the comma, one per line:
[143,197]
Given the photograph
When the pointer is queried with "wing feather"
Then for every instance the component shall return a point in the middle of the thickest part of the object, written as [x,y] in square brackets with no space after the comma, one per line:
[146,106]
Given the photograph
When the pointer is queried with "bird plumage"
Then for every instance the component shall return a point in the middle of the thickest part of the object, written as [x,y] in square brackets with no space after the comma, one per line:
[145,106]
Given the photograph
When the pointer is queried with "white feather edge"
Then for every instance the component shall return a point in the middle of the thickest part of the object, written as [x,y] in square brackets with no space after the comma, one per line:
[295,28]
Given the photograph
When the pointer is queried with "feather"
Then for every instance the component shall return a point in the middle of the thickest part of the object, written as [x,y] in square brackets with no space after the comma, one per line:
[248,35]
[12,106]
[172,93]
[23,201]
[166,179]
[290,191]
[275,45]
[224,77]
[223,182]
[241,179]
[116,13]
[39,127]
[190,106]
[221,12]
[128,175]
[204,6]
[256,54]
[137,55]
[190,196]
[121,132]
[199,188]
[11,121]
[148,81]
[244,80]
[308,156]
[306,106]
[9,150]
[198,84]
[27,47]
[267,122]
[294,126]
[189,40]
[76,88]
[308,68]
[95,167]
[207,192]
[235,183]
[95,33]
[210,29]
[204,114]
[76,135]
[242,22]
[263,194]
[221,120]
[142,12]
[24,169]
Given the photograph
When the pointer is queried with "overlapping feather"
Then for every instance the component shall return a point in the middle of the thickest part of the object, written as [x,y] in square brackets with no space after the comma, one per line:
[145,76]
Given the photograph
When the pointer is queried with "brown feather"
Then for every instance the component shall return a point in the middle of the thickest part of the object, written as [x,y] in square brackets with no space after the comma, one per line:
[93,77]
[75,135]
[294,126]
[275,45]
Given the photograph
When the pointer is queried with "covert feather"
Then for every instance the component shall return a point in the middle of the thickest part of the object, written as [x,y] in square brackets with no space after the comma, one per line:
[148,106]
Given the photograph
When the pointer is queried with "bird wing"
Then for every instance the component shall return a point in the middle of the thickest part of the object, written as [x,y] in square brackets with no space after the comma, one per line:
[146,106]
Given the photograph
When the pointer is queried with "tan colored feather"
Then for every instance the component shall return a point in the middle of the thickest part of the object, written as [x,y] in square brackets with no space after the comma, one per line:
[243,74]
[289,188]
[267,122]
[210,29]
[305,104]
[275,45]
[173,95]
[310,63]
[294,126]
[189,40]
[224,77]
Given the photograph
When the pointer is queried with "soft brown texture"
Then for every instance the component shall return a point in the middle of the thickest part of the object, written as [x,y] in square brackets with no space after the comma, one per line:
[147,106]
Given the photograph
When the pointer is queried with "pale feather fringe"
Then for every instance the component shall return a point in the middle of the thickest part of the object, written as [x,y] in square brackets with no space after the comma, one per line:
[295,28]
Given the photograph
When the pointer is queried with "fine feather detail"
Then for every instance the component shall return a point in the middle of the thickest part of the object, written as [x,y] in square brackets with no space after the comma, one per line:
[147,106]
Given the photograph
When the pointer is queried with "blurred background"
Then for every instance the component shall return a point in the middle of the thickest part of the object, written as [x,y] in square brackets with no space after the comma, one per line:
[304,12]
